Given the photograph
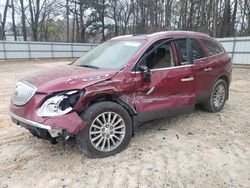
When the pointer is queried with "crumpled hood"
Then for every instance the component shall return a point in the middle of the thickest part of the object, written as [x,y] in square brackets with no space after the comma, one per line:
[67,77]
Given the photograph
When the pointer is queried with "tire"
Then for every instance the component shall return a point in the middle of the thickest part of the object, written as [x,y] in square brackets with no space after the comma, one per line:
[88,139]
[215,106]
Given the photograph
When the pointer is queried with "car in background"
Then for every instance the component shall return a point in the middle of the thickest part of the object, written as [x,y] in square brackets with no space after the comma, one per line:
[101,98]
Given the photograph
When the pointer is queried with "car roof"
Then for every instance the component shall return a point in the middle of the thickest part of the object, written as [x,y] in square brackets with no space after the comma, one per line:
[162,34]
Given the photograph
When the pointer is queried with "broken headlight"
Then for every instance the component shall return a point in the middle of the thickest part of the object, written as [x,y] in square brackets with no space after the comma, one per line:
[59,104]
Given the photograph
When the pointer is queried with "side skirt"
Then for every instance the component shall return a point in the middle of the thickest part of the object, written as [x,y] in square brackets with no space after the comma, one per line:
[143,117]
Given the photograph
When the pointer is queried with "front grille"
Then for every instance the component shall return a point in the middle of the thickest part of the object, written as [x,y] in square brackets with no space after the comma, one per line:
[23,92]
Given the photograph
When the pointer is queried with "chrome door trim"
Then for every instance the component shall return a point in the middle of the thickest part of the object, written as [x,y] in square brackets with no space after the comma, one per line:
[167,68]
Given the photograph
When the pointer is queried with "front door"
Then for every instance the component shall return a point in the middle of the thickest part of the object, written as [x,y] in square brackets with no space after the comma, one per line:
[171,89]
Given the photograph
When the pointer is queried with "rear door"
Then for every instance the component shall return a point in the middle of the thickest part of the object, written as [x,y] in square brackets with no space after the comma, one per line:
[206,66]
[171,89]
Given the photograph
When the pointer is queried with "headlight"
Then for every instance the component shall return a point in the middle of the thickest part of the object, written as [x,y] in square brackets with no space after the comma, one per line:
[59,104]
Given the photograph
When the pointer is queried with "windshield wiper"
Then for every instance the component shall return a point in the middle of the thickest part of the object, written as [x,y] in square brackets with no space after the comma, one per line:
[90,66]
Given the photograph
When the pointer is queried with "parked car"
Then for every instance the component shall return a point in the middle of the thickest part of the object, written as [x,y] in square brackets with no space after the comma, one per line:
[101,98]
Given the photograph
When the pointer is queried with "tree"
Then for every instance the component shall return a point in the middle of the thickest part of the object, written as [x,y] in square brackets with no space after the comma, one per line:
[13,20]
[23,20]
[107,18]
[2,34]
[98,15]
[67,18]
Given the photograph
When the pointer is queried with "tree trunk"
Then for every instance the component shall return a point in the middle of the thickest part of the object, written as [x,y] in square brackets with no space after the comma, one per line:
[215,17]
[82,27]
[32,19]
[2,34]
[191,13]
[13,20]
[77,29]
[77,23]
[34,16]
[168,10]
[73,30]
[232,29]
[23,21]
[102,20]
[67,20]
[37,13]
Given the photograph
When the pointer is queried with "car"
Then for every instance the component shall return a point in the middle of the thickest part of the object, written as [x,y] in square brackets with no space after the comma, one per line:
[102,98]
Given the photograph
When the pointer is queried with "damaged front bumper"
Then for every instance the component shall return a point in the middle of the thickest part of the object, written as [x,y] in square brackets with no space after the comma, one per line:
[40,130]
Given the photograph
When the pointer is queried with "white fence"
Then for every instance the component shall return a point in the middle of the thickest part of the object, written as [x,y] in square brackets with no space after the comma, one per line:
[238,48]
[33,50]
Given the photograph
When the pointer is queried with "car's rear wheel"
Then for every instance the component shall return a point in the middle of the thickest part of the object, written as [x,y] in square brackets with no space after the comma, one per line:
[108,132]
[218,97]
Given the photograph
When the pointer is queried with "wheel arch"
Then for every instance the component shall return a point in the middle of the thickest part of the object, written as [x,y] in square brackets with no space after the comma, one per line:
[132,112]
[226,79]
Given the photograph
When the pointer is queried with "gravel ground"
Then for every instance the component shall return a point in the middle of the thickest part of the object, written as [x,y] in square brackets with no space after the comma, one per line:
[199,149]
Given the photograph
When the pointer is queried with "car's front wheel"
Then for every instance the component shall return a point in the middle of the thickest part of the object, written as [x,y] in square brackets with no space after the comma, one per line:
[218,97]
[108,132]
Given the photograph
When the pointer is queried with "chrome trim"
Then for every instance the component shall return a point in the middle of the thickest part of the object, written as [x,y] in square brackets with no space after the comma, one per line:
[187,79]
[167,68]
[137,60]
[152,42]
[27,91]
[33,123]
[207,69]
[53,132]
[181,66]
[194,61]
[205,58]
[150,91]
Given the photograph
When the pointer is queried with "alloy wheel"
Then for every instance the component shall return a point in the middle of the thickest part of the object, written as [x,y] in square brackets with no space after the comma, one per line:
[107,131]
[219,95]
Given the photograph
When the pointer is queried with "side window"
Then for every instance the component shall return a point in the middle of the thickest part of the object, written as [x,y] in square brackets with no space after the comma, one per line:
[213,47]
[182,51]
[197,50]
[159,58]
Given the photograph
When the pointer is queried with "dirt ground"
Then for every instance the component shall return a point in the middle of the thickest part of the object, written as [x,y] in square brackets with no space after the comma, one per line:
[199,149]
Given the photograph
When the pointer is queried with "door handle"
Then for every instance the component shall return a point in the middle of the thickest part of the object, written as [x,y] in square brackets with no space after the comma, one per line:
[207,69]
[187,79]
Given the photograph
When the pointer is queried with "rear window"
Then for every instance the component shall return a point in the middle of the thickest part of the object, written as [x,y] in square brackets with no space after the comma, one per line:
[182,50]
[197,50]
[213,47]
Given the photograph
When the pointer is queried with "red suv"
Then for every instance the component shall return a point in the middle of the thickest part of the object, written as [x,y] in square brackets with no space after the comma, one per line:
[102,97]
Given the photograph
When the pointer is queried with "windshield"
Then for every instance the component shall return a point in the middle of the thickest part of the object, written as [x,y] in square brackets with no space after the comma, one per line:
[110,55]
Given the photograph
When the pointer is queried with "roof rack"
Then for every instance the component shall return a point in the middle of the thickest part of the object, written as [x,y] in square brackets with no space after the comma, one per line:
[157,33]
[137,34]
[122,36]
[166,32]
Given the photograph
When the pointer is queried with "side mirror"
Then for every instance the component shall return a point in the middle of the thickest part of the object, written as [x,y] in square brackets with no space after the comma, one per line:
[146,71]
